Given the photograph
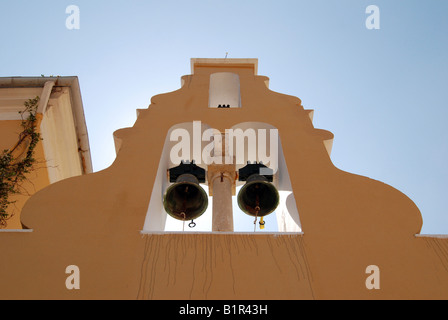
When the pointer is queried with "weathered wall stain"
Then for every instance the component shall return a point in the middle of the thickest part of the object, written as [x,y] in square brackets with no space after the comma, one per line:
[204,261]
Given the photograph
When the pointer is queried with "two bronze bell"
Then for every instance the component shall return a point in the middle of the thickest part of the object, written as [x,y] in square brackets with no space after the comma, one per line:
[186,200]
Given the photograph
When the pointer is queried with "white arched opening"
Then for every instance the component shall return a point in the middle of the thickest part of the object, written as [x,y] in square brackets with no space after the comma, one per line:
[251,141]
[268,149]
[157,220]
[224,90]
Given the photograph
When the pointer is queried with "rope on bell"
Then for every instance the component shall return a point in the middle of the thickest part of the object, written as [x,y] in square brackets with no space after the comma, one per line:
[257,210]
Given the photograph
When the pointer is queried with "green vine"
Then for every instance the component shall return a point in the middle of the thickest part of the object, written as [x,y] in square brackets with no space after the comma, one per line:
[18,161]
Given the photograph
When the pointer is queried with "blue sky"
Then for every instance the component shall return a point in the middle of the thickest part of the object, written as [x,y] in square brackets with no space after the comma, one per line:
[383,93]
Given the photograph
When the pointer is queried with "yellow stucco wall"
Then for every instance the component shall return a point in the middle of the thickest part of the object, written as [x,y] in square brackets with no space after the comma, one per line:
[349,222]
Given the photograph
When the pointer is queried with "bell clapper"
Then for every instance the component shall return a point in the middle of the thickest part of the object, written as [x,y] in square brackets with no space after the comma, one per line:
[182,214]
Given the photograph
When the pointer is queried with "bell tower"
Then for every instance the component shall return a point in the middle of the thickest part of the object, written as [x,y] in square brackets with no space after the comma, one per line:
[221,147]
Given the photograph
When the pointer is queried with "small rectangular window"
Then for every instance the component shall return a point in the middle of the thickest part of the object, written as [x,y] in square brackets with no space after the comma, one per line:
[224,90]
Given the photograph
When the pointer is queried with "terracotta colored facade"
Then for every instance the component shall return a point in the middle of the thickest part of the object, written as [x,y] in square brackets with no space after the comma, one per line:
[349,222]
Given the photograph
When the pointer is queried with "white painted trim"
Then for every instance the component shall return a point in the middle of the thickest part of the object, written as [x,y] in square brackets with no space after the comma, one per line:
[275,234]
[440,236]
[12,115]
[45,96]
[16,230]
[38,83]
[12,99]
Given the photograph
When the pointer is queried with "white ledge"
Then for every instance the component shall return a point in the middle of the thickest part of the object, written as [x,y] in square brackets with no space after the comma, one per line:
[16,230]
[275,234]
[440,236]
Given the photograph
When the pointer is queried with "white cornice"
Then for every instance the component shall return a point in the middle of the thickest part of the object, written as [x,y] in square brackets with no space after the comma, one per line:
[15,90]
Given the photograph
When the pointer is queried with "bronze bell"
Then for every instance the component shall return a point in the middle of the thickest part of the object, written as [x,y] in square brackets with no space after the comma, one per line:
[258,197]
[185,199]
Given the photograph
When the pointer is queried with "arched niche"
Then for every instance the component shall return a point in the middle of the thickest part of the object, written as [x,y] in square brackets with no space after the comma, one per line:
[286,216]
[156,217]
